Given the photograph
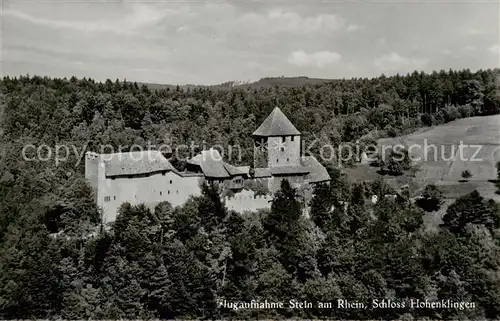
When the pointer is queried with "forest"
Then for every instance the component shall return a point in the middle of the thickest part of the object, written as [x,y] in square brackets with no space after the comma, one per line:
[59,261]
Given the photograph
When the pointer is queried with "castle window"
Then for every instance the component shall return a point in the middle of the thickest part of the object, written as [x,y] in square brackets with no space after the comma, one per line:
[107,198]
[277,160]
[163,173]
[114,198]
[170,181]
[288,159]
[177,191]
[283,139]
[168,192]
[160,193]
[291,138]
[282,149]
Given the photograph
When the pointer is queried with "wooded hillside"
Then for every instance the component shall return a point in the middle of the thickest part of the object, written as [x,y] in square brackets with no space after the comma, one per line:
[56,261]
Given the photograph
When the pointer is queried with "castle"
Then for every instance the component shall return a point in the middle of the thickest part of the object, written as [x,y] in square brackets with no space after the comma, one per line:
[148,177]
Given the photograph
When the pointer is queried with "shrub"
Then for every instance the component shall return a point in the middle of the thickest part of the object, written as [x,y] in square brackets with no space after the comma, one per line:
[397,163]
[426,119]
[432,198]
[466,175]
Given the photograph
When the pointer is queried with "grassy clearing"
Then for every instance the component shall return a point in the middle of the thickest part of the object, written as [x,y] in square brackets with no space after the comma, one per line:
[443,165]
[480,137]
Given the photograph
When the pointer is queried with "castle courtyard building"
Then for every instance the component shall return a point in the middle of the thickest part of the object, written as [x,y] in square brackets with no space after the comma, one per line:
[148,176]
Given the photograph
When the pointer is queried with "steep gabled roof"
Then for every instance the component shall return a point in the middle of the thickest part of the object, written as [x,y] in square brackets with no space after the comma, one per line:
[262,172]
[276,124]
[289,170]
[317,172]
[244,169]
[233,170]
[134,163]
[211,164]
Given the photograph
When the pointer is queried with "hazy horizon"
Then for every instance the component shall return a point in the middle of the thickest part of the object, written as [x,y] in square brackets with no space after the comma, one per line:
[209,43]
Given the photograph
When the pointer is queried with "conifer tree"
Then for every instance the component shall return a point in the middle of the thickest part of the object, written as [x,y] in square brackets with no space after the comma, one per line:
[468,209]
[159,292]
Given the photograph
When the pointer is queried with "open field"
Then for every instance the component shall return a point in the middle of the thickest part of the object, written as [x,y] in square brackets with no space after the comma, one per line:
[443,152]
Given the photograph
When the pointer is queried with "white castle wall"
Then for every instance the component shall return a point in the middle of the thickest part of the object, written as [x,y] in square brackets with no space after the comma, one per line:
[149,190]
[289,156]
[92,172]
[247,201]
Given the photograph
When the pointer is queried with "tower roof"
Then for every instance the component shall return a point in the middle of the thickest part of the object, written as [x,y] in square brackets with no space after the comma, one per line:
[276,124]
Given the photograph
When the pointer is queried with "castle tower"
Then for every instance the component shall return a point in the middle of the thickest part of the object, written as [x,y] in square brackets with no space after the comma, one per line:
[276,142]
[92,174]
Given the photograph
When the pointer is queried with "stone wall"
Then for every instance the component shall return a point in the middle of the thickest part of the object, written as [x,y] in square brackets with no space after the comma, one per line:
[247,201]
[283,151]
[92,171]
[148,189]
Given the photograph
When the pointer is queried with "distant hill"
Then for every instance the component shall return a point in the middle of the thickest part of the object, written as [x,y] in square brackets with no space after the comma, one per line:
[263,82]
[286,82]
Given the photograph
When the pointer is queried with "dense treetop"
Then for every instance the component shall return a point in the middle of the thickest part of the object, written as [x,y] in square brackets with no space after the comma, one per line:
[57,261]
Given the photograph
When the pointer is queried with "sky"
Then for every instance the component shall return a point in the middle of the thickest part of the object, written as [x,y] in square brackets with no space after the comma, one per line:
[210,42]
